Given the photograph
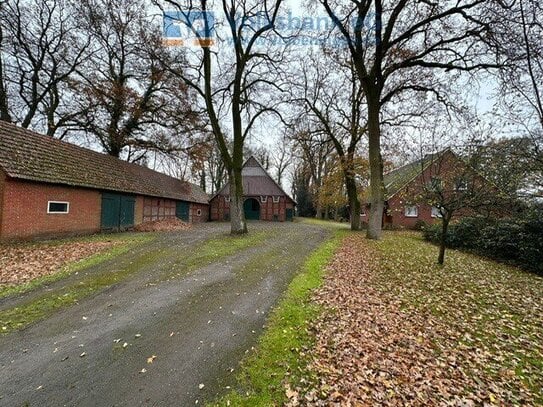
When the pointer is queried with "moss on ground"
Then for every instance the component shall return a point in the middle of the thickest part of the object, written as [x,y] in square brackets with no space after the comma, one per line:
[41,306]
[280,353]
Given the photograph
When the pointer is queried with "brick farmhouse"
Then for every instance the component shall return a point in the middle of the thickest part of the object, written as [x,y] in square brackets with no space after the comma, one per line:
[51,188]
[264,198]
[402,185]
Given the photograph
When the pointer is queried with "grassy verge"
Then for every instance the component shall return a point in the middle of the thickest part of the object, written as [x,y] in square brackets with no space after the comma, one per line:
[124,242]
[326,223]
[495,311]
[279,354]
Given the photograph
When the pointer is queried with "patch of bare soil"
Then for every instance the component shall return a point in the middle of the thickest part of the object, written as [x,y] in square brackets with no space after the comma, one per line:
[371,351]
[168,225]
[23,263]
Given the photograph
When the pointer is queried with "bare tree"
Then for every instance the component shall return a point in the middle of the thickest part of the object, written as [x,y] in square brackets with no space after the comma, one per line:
[396,47]
[518,34]
[40,51]
[331,94]
[128,101]
[282,157]
[231,84]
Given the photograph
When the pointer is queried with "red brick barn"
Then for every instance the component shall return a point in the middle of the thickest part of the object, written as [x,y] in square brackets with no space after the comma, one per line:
[52,188]
[403,185]
[264,199]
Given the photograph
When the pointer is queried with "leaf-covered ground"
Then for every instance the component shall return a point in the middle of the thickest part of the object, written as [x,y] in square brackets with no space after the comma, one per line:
[25,262]
[399,330]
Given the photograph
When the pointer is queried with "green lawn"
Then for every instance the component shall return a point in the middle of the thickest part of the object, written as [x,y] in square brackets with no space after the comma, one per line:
[495,311]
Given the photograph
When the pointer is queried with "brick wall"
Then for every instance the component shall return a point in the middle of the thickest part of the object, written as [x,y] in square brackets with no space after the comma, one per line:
[269,210]
[25,214]
[448,168]
[138,210]
[219,209]
[155,209]
[199,213]
[2,181]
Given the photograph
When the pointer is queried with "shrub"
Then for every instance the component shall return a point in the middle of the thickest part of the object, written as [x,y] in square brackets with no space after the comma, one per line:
[516,240]
[420,225]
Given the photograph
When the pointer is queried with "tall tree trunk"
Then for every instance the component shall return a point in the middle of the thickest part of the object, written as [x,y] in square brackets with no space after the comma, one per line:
[443,241]
[4,110]
[354,202]
[319,210]
[238,224]
[377,189]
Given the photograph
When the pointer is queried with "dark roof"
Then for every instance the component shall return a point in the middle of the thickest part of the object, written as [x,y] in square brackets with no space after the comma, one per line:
[397,179]
[257,182]
[27,155]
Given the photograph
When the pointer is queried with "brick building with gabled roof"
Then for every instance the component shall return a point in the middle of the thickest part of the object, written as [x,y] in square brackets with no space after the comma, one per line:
[49,188]
[264,199]
[401,184]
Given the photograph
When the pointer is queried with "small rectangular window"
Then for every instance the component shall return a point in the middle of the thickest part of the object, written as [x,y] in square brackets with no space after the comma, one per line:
[276,199]
[461,185]
[58,207]
[263,199]
[436,213]
[411,212]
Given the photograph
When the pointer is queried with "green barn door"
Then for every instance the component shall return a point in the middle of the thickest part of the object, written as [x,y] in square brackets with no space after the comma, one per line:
[182,211]
[111,210]
[290,215]
[252,209]
[117,211]
[126,218]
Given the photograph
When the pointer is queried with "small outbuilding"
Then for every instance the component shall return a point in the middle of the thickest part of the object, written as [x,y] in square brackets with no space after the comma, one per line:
[52,188]
[264,199]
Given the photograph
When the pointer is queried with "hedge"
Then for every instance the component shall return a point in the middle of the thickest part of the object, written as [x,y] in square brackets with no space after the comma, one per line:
[515,240]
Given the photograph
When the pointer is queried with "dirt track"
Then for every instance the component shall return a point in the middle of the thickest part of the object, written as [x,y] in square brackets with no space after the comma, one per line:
[198,326]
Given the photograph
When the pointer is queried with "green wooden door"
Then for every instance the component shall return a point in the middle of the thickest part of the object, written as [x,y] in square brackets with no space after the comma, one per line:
[182,211]
[117,211]
[290,215]
[252,209]
[126,213]
[111,209]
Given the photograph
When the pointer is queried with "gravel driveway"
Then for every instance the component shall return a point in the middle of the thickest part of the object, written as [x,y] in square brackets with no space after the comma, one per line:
[153,342]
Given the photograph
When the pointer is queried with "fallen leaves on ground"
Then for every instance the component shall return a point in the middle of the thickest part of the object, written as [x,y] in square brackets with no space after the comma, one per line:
[167,225]
[376,344]
[25,262]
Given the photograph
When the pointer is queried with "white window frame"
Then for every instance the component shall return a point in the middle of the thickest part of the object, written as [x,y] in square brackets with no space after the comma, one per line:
[363,213]
[436,214]
[276,199]
[198,212]
[407,212]
[462,185]
[227,198]
[263,199]
[49,212]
